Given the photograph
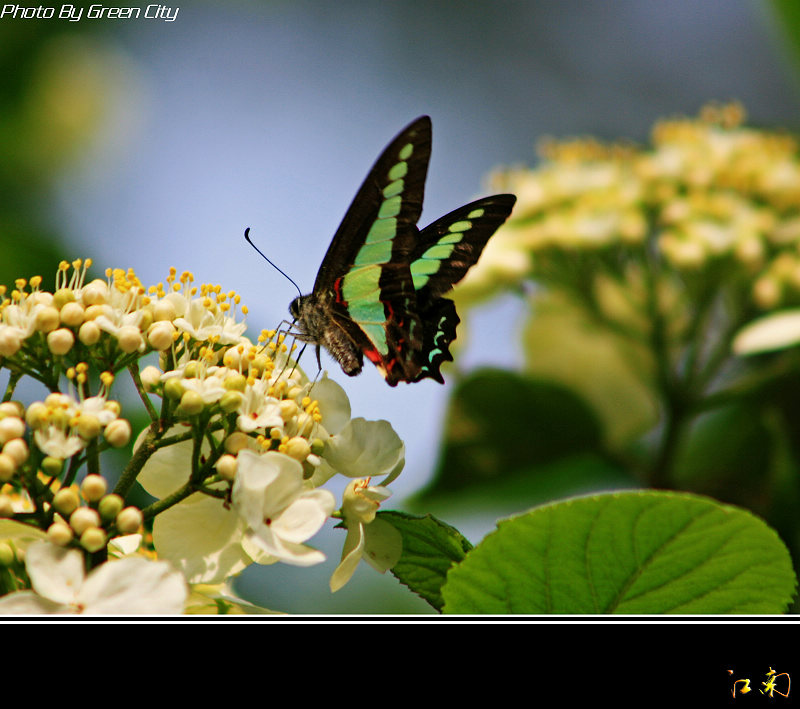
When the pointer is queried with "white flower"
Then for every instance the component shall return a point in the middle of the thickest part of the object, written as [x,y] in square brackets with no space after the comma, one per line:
[258,410]
[56,442]
[199,535]
[368,537]
[203,322]
[279,511]
[132,585]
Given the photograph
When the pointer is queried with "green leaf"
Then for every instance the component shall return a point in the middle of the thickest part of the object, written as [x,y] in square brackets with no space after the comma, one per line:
[430,548]
[500,423]
[632,552]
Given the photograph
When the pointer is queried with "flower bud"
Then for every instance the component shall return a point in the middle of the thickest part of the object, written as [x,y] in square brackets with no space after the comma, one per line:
[226,467]
[191,403]
[288,409]
[173,388]
[236,441]
[230,401]
[60,341]
[63,296]
[60,534]
[46,319]
[305,424]
[130,339]
[95,293]
[11,427]
[83,518]
[72,314]
[36,415]
[129,520]
[87,426]
[89,333]
[52,467]
[12,408]
[297,448]
[118,433]
[93,487]
[8,466]
[110,506]
[160,335]
[17,448]
[93,539]
[66,501]
[10,341]
[235,382]
[151,377]
[95,311]
[164,310]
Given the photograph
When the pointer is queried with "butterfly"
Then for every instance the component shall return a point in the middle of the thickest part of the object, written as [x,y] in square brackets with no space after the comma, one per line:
[378,293]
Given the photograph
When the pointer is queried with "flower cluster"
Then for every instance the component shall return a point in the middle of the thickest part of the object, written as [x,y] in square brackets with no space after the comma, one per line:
[709,194]
[239,445]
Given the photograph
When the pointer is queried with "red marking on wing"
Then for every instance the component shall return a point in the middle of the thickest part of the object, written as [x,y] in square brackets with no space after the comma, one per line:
[373,356]
[337,289]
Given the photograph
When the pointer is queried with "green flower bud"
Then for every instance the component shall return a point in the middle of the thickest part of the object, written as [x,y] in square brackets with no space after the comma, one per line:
[230,401]
[66,501]
[191,403]
[110,506]
[93,539]
[173,388]
[52,467]
[63,296]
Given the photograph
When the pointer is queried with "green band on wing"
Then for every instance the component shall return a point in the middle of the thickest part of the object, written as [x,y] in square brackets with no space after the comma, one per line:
[393,188]
[361,291]
[398,171]
[439,252]
[381,230]
[463,225]
[390,207]
[405,151]
[476,213]
[376,253]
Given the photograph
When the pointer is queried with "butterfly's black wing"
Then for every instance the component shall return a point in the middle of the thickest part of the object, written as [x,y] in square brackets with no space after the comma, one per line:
[442,255]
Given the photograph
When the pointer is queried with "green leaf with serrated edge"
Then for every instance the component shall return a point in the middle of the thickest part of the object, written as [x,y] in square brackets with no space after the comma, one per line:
[430,548]
[632,552]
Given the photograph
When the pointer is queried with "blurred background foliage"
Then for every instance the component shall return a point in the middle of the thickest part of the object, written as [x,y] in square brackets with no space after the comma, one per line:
[147,144]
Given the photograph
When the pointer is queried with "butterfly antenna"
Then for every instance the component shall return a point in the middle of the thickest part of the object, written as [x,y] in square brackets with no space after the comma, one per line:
[261,253]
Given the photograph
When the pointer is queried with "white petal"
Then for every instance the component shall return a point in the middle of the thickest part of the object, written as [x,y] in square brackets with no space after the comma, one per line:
[772,332]
[334,406]
[351,555]
[28,603]
[169,467]
[366,448]
[134,585]
[202,539]
[55,573]
[305,516]
[383,546]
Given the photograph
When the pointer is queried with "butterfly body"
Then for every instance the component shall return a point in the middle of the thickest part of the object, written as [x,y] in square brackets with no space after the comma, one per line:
[378,292]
